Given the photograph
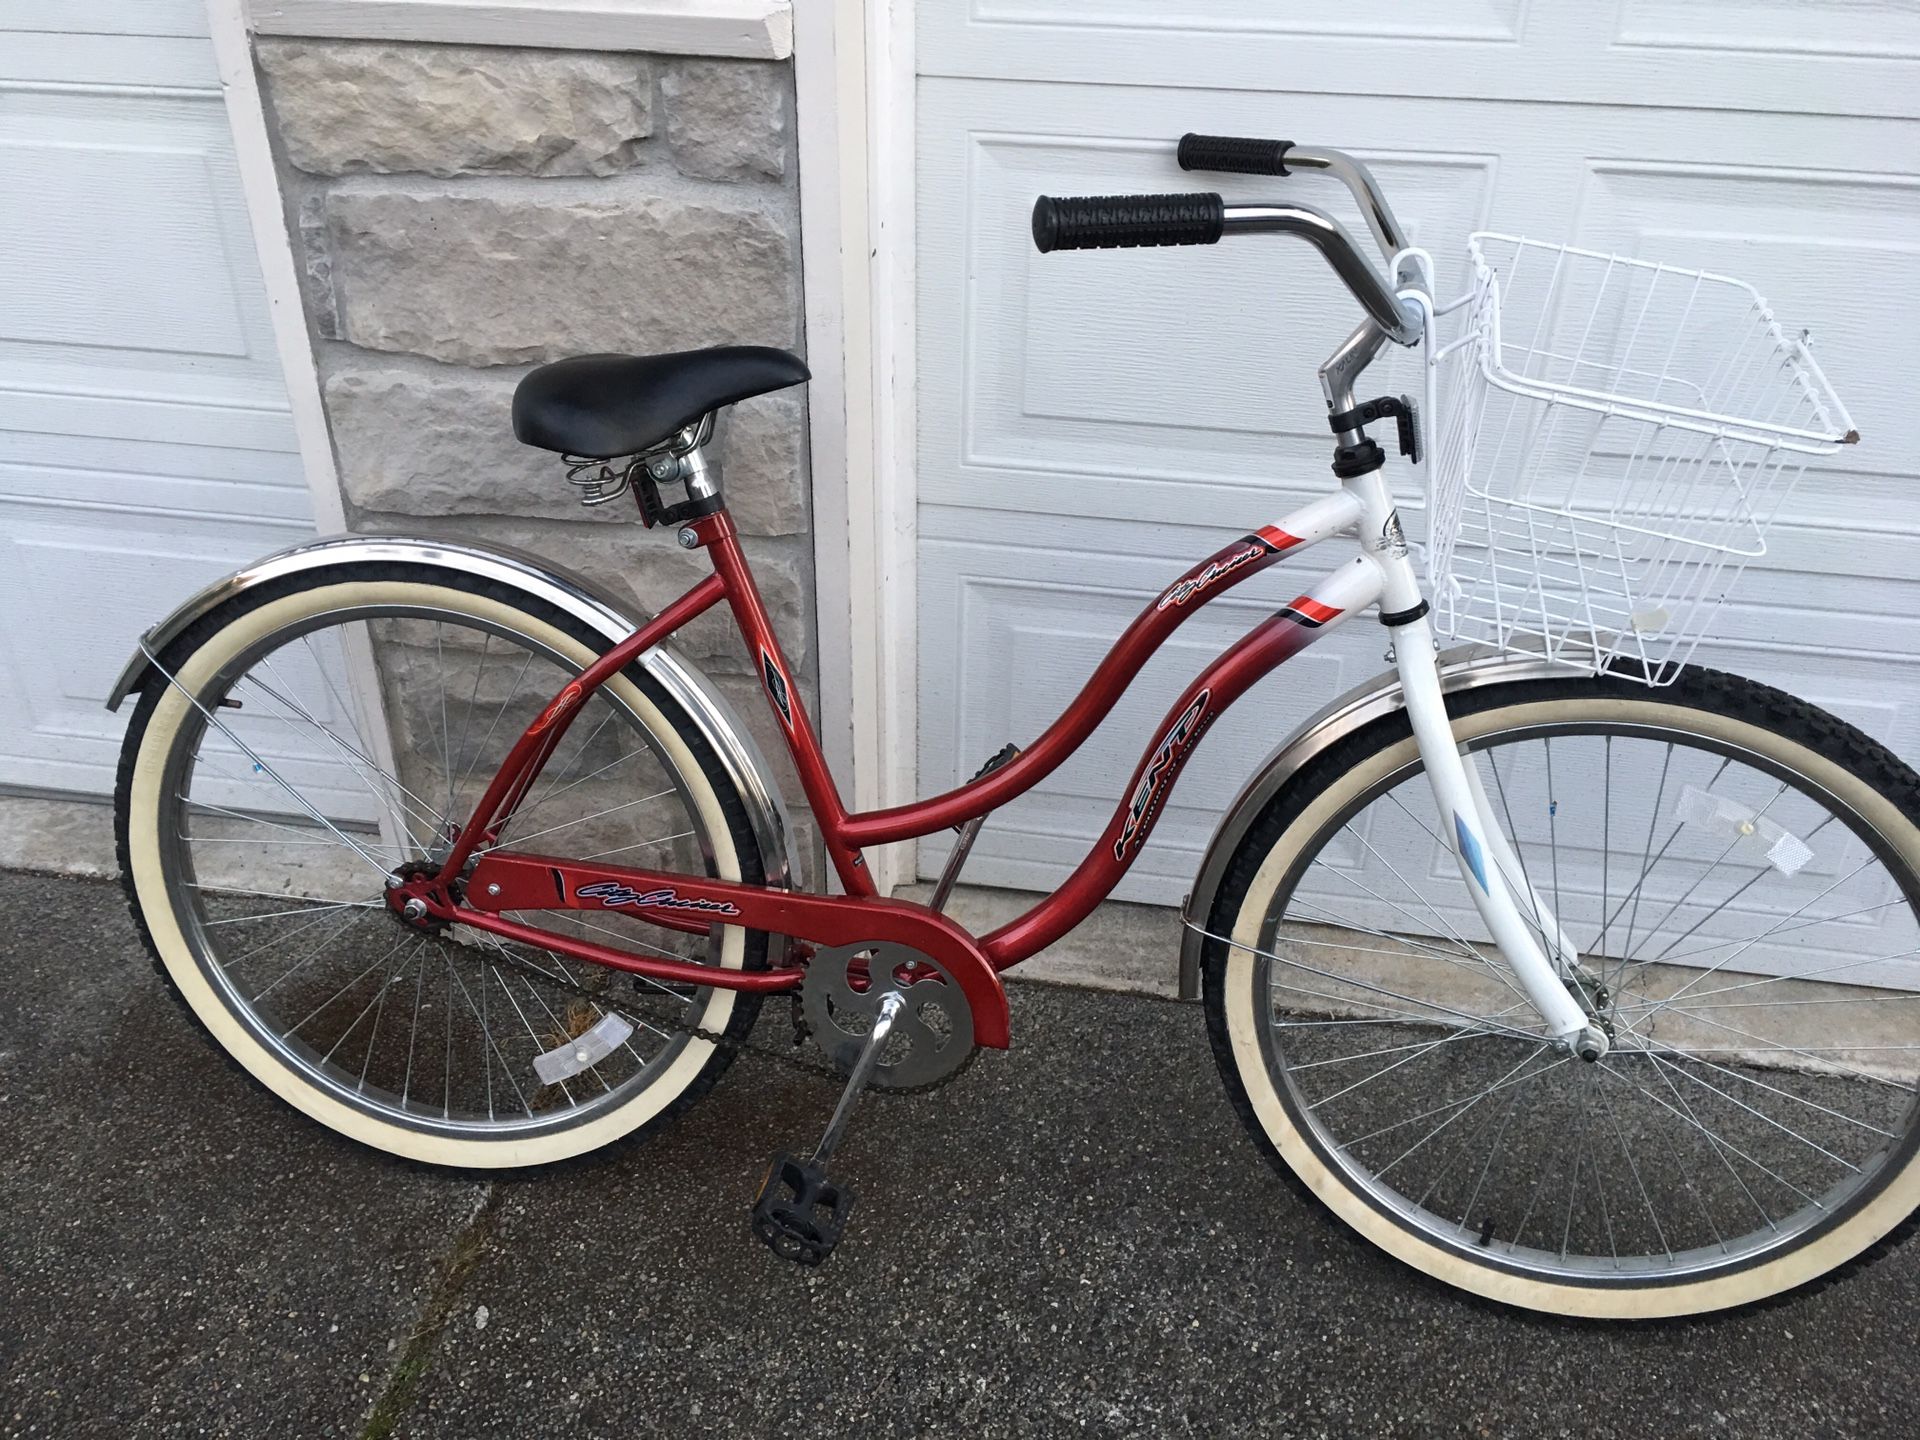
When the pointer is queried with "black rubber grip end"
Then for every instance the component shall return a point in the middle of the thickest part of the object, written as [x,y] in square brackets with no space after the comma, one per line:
[1107,222]
[1233,154]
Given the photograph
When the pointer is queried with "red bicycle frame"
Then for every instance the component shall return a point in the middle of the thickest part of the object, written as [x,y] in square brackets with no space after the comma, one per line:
[504,879]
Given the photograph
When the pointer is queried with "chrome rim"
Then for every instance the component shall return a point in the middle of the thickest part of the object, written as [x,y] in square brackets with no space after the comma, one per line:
[281,821]
[1751,940]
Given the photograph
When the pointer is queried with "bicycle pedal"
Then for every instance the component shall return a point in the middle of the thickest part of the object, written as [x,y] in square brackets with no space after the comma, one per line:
[800,1213]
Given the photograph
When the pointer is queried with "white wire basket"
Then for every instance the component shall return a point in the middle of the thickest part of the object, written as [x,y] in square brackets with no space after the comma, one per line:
[1619,436]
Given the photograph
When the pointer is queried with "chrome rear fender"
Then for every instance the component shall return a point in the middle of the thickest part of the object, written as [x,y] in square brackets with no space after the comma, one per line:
[539,580]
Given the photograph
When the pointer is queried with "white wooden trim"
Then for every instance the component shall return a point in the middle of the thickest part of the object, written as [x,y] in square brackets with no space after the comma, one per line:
[273,247]
[260,185]
[856,187]
[823,106]
[894,501]
[744,29]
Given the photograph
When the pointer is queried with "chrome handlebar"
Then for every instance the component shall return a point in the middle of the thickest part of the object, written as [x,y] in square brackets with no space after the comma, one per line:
[1400,321]
[1366,193]
[1112,221]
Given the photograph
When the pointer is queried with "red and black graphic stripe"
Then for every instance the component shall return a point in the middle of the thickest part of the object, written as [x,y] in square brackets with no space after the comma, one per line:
[1275,538]
[1307,611]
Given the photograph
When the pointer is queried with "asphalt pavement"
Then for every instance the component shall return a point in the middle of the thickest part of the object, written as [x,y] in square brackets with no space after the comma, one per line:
[1074,1238]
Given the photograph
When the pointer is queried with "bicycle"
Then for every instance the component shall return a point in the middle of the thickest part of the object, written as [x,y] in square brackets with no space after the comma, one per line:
[1617,1020]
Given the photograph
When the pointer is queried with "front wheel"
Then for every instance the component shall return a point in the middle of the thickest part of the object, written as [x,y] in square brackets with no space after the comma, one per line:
[1740,872]
[326,731]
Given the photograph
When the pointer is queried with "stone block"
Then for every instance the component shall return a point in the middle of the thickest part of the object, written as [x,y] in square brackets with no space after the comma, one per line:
[505,278]
[346,107]
[727,119]
[442,444]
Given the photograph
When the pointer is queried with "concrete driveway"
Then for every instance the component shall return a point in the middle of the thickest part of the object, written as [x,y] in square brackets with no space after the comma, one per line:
[1074,1238]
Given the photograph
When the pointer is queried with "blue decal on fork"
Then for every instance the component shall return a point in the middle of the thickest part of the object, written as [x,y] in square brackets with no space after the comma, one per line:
[1470,851]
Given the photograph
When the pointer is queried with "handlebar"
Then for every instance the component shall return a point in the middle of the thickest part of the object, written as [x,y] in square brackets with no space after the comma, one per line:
[1105,222]
[1239,156]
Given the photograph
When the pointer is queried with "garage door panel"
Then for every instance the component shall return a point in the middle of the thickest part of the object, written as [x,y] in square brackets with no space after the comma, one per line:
[1836,255]
[220,483]
[146,444]
[1017,612]
[1865,29]
[1127,366]
[107,42]
[136,254]
[1375,19]
[1033,622]
[147,210]
[142,421]
[63,647]
[1107,329]
[1799,624]
[1806,56]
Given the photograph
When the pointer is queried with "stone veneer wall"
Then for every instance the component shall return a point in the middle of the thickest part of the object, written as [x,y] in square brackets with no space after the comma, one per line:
[463,212]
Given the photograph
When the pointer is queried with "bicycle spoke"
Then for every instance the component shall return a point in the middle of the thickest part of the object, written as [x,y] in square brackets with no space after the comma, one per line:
[521,840]
[1429,1009]
[306,958]
[372,1006]
[1661,1060]
[393,799]
[1493,1089]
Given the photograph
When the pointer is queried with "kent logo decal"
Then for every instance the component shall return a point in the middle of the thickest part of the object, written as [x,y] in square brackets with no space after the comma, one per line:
[1147,795]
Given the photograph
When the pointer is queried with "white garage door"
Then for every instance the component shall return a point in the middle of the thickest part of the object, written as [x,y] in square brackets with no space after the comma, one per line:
[145,441]
[1091,423]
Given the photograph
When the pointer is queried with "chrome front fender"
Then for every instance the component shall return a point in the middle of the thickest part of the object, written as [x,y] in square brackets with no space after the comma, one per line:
[1467,667]
[531,576]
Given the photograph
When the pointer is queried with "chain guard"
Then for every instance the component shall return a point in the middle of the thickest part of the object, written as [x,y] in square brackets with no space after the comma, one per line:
[932,1037]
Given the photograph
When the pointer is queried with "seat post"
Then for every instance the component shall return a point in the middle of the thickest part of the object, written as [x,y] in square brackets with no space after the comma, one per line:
[680,460]
[702,483]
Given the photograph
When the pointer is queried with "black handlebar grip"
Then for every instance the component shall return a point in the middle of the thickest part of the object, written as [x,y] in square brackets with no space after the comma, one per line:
[1106,222]
[1234,154]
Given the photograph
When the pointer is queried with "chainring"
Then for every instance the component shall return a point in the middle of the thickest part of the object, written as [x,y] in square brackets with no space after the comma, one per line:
[841,997]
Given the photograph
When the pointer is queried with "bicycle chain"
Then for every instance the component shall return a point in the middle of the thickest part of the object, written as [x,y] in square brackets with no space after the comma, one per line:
[720,1042]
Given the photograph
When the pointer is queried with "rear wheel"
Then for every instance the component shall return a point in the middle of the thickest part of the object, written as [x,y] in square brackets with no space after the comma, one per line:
[1740,873]
[263,803]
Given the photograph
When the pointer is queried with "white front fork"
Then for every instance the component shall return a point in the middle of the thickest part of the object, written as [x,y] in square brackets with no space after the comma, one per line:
[1479,846]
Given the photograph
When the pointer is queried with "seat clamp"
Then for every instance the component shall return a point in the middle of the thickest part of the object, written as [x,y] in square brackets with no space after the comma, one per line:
[654,512]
